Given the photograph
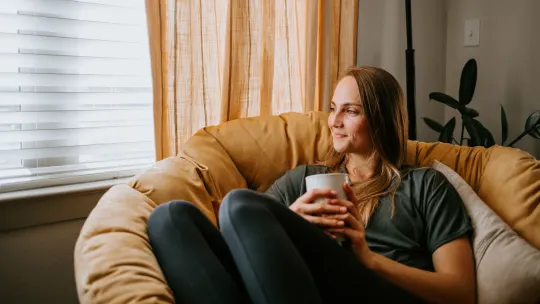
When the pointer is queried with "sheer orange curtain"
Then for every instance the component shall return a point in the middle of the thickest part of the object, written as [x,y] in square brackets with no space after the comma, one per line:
[218,60]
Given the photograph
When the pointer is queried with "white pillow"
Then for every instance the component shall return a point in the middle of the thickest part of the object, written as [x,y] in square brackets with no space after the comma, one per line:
[507,267]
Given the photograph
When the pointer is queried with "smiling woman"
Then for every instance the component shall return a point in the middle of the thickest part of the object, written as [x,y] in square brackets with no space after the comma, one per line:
[407,231]
[75,92]
[347,118]
[369,122]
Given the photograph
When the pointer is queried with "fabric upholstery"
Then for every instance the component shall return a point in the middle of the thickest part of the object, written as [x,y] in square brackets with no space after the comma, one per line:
[113,260]
[507,267]
[264,148]
[511,187]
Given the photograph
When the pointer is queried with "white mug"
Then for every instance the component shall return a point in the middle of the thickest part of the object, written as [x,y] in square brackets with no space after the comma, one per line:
[332,181]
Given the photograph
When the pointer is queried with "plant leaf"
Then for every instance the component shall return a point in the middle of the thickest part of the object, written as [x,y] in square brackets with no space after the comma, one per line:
[533,120]
[433,124]
[475,132]
[469,112]
[443,98]
[504,126]
[488,137]
[467,83]
[480,135]
[448,131]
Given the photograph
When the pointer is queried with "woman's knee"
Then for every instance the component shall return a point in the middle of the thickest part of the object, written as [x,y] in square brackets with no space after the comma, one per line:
[170,214]
[238,203]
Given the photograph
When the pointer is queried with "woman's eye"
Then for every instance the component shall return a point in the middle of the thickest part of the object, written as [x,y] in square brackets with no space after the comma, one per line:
[332,109]
[352,112]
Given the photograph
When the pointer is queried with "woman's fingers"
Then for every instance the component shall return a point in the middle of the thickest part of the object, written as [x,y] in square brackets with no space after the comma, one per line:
[338,216]
[313,194]
[349,220]
[330,234]
[324,221]
[341,202]
[321,209]
[353,222]
[308,198]
[348,232]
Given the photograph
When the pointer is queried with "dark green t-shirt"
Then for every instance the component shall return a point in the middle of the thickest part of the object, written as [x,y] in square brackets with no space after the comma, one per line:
[428,214]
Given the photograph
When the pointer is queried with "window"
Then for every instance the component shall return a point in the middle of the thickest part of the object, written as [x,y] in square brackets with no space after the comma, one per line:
[75,92]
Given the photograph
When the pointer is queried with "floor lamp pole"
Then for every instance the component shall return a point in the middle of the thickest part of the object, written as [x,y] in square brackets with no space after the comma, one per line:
[410,74]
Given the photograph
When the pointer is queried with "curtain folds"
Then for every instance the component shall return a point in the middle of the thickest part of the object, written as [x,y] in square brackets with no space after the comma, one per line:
[219,60]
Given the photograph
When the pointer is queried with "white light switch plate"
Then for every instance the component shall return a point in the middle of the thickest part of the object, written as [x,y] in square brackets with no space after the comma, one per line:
[472,32]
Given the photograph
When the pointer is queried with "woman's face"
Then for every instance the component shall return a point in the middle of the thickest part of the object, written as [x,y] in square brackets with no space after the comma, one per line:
[347,121]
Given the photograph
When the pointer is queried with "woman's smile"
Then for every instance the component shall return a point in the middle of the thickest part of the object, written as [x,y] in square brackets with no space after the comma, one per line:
[339,136]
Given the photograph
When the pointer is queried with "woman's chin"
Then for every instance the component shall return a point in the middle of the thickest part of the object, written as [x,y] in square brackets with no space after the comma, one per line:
[340,148]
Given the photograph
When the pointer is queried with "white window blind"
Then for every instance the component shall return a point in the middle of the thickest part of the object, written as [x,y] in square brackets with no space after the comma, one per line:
[75,92]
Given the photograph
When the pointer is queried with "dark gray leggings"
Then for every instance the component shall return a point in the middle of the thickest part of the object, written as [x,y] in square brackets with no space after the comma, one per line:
[265,253]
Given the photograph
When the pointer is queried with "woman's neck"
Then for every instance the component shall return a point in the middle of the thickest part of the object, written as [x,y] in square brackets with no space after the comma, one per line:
[360,167]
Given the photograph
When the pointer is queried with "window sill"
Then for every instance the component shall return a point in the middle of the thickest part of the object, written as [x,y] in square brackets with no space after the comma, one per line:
[61,190]
[27,208]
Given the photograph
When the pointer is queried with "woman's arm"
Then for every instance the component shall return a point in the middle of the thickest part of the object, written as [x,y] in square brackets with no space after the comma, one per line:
[452,282]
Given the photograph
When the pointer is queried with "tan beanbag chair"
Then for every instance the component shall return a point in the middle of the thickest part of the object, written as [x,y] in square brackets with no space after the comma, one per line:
[113,259]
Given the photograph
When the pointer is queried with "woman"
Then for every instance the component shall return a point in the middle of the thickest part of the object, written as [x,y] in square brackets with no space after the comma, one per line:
[407,229]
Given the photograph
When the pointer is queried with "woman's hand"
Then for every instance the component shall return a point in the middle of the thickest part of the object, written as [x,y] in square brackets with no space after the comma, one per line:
[354,227]
[318,214]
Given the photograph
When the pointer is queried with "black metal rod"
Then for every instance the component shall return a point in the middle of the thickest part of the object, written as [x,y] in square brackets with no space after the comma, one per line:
[408,23]
[410,73]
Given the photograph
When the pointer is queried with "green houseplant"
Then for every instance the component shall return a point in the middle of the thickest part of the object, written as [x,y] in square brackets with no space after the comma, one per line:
[478,135]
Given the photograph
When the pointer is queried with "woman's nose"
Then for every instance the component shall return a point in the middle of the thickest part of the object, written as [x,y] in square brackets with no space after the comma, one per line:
[336,120]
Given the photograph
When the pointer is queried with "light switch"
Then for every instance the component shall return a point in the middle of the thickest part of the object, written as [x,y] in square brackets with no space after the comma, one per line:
[472,32]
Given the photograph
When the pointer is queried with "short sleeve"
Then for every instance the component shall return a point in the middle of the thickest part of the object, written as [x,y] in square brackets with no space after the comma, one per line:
[275,189]
[287,188]
[445,213]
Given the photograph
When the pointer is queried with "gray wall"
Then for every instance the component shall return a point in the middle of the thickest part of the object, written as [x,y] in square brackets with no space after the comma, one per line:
[37,238]
[37,264]
[508,61]
[508,57]
[382,42]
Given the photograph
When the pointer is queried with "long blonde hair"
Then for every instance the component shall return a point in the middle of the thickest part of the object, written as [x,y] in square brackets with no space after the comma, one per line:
[384,108]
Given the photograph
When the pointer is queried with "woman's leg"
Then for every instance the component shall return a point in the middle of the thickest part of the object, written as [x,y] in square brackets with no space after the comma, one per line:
[194,257]
[285,259]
